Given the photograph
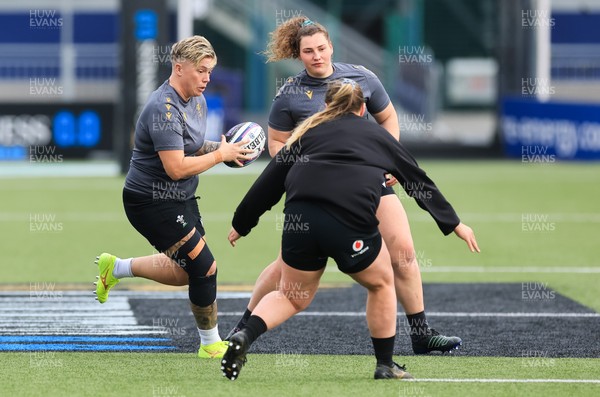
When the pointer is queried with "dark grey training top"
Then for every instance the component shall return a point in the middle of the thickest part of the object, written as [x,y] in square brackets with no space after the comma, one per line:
[167,122]
[302,96]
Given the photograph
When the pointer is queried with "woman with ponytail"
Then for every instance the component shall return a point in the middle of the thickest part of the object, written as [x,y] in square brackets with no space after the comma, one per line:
[331,170]
[303,96]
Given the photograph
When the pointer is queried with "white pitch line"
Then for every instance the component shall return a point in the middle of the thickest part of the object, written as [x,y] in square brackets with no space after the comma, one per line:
[96,330]
[518,217]
[82,297]
[86,331]
[76,313]
[500,269]
[15,309]
[514,314]
[67,313]
[475,380]
[510,269]
[501,217]
[75,297]
[100,327]
[70,322]
[443,314]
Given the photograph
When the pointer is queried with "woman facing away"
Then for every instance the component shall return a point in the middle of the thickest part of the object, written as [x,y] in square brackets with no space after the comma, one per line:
[331,171]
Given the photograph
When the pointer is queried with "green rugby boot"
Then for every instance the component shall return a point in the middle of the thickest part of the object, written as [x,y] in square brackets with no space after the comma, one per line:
[214,350]
[106,280]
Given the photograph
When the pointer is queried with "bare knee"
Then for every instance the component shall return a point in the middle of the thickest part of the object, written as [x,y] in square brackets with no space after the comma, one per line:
[384,279]
[273,271]
[403,257]
[213,269]
[299,298]
[297,301]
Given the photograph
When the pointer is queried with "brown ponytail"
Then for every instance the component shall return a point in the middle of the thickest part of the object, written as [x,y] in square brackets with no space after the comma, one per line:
[284,42]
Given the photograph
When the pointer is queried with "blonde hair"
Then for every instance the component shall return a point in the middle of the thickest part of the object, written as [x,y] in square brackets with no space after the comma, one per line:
[284,42]
[343,96]
[193,49]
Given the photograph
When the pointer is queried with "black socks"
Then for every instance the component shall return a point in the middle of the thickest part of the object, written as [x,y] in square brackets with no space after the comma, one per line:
[255,327]
[244,318]
[418,325]
[384,350]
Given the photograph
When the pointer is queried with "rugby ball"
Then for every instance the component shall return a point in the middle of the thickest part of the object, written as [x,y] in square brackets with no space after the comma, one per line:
[247,130]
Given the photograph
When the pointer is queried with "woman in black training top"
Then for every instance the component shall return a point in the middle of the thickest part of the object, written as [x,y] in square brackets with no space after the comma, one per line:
[332,170]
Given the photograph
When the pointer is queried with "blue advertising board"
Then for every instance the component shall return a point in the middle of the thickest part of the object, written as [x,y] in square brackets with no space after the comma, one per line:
[556,130]
[73,130]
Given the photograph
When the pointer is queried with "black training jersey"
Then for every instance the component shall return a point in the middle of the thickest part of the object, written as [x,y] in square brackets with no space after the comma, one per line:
[302,96]
[340,165]
[167,122]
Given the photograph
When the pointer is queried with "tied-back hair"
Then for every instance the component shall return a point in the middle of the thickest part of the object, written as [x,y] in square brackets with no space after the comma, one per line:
[284,42]
[343,96]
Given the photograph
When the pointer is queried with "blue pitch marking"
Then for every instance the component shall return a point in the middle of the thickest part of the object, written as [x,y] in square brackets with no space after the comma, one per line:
[78,343]
[75,347]
[57,338]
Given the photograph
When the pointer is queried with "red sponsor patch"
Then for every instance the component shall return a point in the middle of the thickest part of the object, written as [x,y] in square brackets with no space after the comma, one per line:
[358,245]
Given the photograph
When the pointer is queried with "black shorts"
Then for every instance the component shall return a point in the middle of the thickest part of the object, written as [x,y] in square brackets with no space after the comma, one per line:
[311,235]
[163,223]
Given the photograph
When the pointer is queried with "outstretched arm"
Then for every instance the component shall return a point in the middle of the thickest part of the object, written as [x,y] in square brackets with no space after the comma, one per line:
[466,233]
[233,236]
[419,186]
[266,191]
